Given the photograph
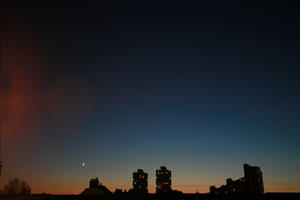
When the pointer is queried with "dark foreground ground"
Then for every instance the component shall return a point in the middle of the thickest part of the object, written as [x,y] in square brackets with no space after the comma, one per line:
[267,196]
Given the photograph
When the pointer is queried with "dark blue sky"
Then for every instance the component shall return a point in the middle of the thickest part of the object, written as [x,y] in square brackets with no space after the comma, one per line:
[200,88]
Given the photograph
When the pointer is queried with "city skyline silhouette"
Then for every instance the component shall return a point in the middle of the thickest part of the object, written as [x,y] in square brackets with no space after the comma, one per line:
[251,183]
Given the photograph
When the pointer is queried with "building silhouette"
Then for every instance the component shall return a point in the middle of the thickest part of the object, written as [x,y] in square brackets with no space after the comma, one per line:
[251,183]
[253,179]
[140,181]
[96,188]
[163,180]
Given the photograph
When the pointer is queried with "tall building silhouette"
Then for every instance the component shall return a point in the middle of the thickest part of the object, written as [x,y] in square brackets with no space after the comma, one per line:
[251,183]
[253,179]
[140,181]
[163,180]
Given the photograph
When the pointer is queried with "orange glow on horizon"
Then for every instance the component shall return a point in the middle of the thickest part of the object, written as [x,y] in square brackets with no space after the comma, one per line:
[185,189]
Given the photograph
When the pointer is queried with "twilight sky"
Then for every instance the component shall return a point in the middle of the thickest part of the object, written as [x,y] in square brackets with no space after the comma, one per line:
[199,88]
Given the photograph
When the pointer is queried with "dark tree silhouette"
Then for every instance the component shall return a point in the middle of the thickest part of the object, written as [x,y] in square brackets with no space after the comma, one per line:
[17,187]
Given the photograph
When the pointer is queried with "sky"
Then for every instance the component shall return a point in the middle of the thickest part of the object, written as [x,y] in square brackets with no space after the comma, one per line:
[201,88]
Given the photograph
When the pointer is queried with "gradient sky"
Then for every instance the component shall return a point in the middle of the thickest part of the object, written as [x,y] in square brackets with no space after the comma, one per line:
[199,88]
